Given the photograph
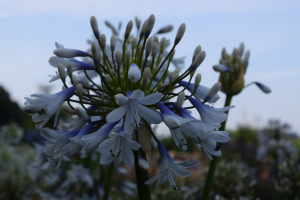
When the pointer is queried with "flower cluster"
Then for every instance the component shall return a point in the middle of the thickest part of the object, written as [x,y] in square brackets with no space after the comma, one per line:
[232,68]
[136,90]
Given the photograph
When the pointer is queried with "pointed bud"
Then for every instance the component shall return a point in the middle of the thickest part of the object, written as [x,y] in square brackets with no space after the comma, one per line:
[264,88]
[61,72]
[212,92]
[154,68]
[180,99]
[160,85]
[103,41]
[171,77]
[95,53]
[247,55]
[143,163]
[172,55]
[155,39]
[68,109]
[108,78]
[94,26]
[79,89]
[159,59]
[82,114]
[150,24]
[224,53]
[112,42]
[146,73]
[176,71]
[180,33]
[134,73]
[154,49]
[221,68]
[138,23]
[133,43]
[69,53]
[118,57]
[150,62]
[162,44]
[149,45]
[241,49]
[197,50]
[128,29]
[127,56]
[176,76]
[86,84]
[165,29]
[198,60]
[197,81]
[70,70]
[142,33]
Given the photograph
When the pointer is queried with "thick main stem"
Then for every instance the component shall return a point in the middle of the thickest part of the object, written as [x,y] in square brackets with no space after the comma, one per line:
[107,183]
[141,177]
[213,163]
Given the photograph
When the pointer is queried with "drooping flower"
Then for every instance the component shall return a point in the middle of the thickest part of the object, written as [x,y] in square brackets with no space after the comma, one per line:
[168,164]
[118,147]
[132,106]
[209,115]
[43,106]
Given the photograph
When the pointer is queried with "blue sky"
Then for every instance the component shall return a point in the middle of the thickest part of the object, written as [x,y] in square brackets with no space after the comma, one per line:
[270,29]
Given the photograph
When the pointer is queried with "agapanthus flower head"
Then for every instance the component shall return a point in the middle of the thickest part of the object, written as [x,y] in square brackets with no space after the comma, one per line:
[232,68]
[135,90]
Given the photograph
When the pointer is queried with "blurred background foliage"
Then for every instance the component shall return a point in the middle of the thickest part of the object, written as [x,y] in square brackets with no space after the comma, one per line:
[256,164]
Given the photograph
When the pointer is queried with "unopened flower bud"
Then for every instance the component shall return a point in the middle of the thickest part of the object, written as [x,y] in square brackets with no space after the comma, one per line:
[134,73]
[197,81]
[107,23]
[143,163]
[224,53]
[198,60]
[150,62]
[127,56]
[197,50]
[119,90]
[171,77]
[133,43]
[142,33]
[103,41]
[176,71]
[112,42]
[162,44]
[79,89]
[165,29]
[118,57]
[82,114]
[146,73]
[155,39]
[159,59]
[160,85]
[150,24]
[246,56]
[70,70]
[176,76]
[212,92]
[180,99]
[263,88]
[138,23]
[154,68]
[68,109]
[154,49]
[94,26]
[122,72]
[112,72]
[108,78]
[61,72]
[221,68]
[172,55]
[69,53]
[128,29]
[241,49]
[180,33]
[86,84]
[95,54]
[149,45]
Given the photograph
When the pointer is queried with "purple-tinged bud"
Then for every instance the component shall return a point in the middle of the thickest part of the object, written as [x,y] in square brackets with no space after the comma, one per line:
[221,68]
[69,53]
[198,60]
[180,33]
[128,29]
[263,87]
[212,92]
[94,26]
[150,24]
[165,29]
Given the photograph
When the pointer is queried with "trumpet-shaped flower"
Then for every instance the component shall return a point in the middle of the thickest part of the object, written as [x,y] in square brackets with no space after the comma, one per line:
[201,91]
[118,147]
[209,144]
[209,115]
[177,124]
[132,106]
[43,106]
[168,164]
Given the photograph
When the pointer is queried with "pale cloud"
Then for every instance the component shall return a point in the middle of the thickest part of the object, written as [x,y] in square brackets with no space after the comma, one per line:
[168,8]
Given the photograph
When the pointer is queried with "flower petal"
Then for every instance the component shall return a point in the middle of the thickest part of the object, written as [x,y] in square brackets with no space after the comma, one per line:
[137,94]
[117,114]
[150,99]
[148,114]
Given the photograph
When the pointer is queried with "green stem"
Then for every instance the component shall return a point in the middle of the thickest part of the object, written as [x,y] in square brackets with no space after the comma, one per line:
[141,177]
[213,163]
[108,178]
